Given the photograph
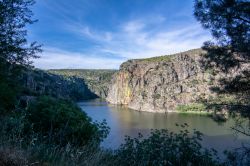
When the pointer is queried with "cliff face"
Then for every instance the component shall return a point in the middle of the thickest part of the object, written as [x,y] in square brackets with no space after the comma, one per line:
[160,84]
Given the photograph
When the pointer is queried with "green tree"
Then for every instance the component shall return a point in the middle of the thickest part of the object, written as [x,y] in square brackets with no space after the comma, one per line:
[62,122]
[228,20]
[15,15]
[15,50]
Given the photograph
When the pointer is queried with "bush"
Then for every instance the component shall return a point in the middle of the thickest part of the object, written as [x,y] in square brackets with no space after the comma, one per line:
[165,148]
[191,107]
[62,122]
[156,96]
[50,132]
[7,98]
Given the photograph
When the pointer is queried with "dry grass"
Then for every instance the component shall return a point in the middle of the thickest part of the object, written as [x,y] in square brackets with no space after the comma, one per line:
[11,156]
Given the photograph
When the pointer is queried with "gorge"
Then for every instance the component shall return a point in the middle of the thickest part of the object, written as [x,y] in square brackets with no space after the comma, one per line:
[161,84]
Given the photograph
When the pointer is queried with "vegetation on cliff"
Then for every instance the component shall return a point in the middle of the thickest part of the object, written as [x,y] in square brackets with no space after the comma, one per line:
[168,58]
[37,82]
[193,107]
[98,81]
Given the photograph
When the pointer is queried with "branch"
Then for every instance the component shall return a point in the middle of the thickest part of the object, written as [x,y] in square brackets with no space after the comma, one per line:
[240,18]
[242,132]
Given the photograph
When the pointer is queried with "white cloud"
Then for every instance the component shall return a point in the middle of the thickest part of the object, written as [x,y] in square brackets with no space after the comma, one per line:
[53,58]
[136,42]
[86,32]
[131,40]
[133,26]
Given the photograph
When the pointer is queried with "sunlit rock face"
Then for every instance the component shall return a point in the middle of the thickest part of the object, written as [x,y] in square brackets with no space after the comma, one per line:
[159,84]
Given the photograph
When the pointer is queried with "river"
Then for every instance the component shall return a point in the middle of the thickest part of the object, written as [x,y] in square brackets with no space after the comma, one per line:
[124,121]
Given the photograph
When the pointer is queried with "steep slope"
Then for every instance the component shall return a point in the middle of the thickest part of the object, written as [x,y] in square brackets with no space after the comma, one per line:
[160,84]
[38,82]
[98,81]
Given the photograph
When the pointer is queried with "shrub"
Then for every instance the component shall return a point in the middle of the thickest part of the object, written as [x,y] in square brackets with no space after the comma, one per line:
[165,148]
[191,107]
[62,122]
[7,98]
[156,96]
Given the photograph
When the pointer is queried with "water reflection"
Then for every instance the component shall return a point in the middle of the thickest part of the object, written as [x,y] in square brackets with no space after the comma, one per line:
[124,121]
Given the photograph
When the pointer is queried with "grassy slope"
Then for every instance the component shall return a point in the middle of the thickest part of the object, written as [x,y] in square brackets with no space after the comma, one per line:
[168,58]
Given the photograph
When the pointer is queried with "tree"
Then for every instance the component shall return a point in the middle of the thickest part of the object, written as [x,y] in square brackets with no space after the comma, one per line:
[15,15]
[15,52]
[228,20]
[229,23]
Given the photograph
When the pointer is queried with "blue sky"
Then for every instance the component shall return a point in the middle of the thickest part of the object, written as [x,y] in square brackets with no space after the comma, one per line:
[101,34]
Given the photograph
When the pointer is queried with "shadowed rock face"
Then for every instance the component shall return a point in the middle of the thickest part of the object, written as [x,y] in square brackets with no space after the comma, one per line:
[97,81]
[38,82]
[159,84]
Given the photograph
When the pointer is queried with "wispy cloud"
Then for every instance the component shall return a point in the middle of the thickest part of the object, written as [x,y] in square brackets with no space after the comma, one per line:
[137,39]
[54,58]
[141,37]
[132,40]
[85,31]
[133,26]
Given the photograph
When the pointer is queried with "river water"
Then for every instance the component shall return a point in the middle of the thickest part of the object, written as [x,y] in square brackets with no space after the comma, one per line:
[124,121]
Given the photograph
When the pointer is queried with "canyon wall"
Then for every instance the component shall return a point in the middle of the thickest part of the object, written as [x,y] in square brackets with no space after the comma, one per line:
[162,83]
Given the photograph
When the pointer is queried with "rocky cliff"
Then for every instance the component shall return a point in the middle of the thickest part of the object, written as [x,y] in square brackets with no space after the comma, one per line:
[162,83]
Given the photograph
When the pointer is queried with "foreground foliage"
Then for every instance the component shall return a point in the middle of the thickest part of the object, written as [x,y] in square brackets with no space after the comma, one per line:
[160,148]
[15,52]
[228,21]
[62,122]
[48,131]
[166,148]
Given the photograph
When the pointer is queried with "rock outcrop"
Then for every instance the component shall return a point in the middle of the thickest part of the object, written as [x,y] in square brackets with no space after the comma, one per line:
[159,84]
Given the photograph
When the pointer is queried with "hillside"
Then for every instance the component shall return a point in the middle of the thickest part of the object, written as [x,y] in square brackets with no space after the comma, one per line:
[98,81]
[39,82]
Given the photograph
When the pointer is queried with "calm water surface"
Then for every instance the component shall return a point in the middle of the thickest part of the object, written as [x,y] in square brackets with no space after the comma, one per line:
[124,121]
